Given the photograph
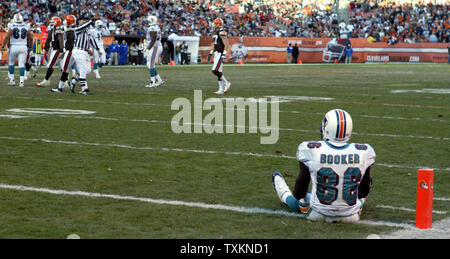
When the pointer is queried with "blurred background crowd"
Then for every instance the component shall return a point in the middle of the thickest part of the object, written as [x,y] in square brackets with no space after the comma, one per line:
[391,20]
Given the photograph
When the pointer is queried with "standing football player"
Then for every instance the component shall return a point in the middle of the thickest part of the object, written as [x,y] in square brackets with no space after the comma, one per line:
[153,51]
[55,40]
[84,46]
[339,173]
[18,39]
[67,62]
[99,56]
[219,50]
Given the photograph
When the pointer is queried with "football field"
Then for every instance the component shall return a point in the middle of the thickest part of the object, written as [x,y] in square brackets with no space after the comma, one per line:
[109,165]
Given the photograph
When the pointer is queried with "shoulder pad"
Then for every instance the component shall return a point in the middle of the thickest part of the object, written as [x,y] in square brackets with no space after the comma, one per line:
[223,33]
[305,150]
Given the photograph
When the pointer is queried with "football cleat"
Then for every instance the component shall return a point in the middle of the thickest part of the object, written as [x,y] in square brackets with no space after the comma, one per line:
[43,83]
[227,87]
[280,186]
[12,83]
[159,83]
[97,75]
[151,85]
[56,90]
[85,92]
[21,84]
[218,92]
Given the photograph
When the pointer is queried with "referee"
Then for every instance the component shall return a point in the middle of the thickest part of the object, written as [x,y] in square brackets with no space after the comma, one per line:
[84,42]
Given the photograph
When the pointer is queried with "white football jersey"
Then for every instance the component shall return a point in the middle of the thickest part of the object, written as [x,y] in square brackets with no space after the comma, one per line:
[335,175]
[239,51]
[97,34]
[19,33]
[154,28]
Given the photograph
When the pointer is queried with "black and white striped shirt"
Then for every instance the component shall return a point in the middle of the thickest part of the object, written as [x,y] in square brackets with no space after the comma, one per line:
[83,39]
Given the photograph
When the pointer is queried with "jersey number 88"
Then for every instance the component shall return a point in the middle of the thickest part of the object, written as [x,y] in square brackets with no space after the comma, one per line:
[19,33]
[328,180]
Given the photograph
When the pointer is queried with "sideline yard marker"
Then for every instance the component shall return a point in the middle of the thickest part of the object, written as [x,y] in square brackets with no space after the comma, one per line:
[424,203]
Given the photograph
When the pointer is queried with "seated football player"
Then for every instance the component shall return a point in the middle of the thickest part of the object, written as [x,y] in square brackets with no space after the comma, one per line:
[339,173]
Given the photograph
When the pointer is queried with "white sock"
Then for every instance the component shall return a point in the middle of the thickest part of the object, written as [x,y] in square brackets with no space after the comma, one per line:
[284,196]
[224,80]
[221,86]
[152,79]
[61,84]
[158,78]
[22,79]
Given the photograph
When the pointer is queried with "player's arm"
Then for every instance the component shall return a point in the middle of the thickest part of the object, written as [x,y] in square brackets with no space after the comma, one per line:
[61,41]
[6,39]
[211,51]
[47,41]
[302,182]
[83,27]
[153,35]
[29,39]
[94,43]
[226,46]
[365,185]
[105,31]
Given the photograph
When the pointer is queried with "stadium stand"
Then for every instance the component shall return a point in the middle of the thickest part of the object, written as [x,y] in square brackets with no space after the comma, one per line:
[379,21]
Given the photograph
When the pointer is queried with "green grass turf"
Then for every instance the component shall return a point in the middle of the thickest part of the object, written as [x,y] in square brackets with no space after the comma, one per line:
[407,130]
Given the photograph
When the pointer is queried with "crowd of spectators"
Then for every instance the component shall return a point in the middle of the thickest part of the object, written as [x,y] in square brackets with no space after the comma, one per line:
[376,20]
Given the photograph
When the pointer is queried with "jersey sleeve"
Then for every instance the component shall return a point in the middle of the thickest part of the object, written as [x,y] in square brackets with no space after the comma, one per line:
[223,33]
[304,153]
[369,157]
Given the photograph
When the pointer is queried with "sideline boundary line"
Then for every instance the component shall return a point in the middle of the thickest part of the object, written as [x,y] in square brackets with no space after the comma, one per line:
[251,210]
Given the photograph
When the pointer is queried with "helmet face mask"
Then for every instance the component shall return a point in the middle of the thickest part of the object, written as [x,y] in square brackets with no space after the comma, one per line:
[337,126]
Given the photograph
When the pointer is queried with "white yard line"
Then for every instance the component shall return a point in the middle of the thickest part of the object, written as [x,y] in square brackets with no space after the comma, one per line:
[190,151]
[251,210]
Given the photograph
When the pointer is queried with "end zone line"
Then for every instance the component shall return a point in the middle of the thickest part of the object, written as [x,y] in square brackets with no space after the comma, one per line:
[191,151]
[254,210]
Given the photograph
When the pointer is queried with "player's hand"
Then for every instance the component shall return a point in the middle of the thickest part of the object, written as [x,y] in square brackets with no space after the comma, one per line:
[208,59]
[224,57]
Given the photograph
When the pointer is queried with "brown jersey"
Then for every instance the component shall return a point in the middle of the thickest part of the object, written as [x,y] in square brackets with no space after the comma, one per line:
[219,46]
[69,39]
[55,38]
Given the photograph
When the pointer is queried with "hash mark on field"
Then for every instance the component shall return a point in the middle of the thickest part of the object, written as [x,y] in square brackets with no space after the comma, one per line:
[190,151]
[254,210]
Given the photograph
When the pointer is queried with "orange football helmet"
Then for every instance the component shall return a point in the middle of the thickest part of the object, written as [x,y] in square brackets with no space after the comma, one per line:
[56,21]
[70,20]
